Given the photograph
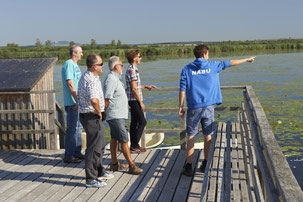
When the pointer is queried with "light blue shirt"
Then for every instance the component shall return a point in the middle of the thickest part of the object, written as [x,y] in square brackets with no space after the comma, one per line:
[115,92]
[70,70]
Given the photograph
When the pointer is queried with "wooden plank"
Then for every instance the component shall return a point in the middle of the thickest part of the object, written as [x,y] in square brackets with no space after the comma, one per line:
[3,137]
[252,154]
[177,88]
[197,181]
[227,170]
[54,141]
[235,170]
[268,189]
[61,189]
[46,182]
[120,180]
[11,161]
[21,123]
[169,188]
[76,181]
[243,183]
[23,171]
[2,152]
[207,169]
[11,131]
[36,179]
[88,192]
[11,138]
[32,177]
[159,182]
[26,111]
[7,156]
[184,185]
[60,182]
[213,171]
[221,108]
[27,92]
[131,186]
[220,178]
[149,177]
[60,114]
[30,124]
[246,155]
[12,171]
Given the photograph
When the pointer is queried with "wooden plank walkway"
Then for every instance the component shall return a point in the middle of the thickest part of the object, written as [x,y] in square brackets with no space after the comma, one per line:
[41,175]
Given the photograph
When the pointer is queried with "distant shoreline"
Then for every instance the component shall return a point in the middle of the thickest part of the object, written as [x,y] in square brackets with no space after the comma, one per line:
[151,50]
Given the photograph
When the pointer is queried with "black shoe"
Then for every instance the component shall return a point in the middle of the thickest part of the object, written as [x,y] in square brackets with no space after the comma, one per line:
[80,156]
[187,170]
[72,160]
[203,165]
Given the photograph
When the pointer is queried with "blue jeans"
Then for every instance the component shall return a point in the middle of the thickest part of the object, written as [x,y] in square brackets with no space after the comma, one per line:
[73,141]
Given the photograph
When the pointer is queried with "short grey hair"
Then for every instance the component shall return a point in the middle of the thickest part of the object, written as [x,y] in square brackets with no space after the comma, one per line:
[72,49]
[114,60]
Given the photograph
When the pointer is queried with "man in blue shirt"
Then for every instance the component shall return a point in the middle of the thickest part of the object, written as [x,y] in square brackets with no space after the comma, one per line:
[71,74]
[200,80]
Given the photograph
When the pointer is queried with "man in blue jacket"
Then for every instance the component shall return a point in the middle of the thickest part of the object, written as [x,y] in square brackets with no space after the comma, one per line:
[200,81]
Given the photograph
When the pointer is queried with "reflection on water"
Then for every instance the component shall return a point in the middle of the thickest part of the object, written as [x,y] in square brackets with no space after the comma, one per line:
[276,79]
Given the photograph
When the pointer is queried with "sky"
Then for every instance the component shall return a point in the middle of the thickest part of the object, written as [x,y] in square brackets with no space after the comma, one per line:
[148,21]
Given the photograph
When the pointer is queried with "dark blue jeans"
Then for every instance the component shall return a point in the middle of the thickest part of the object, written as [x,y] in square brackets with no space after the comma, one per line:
[73,133]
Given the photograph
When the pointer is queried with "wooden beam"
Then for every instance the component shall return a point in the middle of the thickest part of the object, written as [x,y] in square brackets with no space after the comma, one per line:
[26,131]
[26,111]
[280,172]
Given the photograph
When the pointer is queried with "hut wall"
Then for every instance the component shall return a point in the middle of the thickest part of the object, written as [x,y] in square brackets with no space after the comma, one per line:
[15,122]
[42,101]
[26,121]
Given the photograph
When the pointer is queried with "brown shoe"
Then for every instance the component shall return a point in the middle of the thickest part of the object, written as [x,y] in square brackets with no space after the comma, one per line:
[118,166]
[135,170]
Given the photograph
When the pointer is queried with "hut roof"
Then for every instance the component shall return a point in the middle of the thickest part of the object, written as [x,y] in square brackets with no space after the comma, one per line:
[23,74]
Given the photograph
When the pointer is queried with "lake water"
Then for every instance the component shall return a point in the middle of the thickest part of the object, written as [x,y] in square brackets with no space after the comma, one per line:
[276,78]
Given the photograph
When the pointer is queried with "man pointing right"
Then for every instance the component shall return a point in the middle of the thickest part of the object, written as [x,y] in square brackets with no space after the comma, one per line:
[200,81]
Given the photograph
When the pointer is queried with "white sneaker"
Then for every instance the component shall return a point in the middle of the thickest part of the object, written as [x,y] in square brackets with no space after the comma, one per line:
[106,176]
[95,183]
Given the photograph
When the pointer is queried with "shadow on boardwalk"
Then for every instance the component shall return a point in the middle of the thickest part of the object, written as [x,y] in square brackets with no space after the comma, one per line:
[43,176]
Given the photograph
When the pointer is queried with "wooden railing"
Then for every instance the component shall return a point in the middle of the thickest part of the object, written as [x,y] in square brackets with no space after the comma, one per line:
[182,128]
[60,123]
[276,178]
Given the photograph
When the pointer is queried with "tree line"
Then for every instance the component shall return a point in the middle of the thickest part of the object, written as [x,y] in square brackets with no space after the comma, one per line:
[165,49]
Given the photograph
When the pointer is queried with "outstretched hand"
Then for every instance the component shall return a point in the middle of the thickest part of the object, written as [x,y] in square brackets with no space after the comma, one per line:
[251,59]
[149,87]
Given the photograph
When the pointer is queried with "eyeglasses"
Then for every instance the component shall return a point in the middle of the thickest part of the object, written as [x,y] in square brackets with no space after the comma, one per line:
[99,64]
[121,65]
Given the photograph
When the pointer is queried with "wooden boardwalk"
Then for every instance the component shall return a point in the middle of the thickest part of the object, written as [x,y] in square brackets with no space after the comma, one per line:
[41,175]
[231,174]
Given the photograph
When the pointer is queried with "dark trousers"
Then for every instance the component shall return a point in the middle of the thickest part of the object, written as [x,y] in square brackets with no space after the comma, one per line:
[95,145]
[137,123]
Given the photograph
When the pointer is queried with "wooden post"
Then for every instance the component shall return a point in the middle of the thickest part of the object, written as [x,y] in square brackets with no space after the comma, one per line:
[54,141]
[61,120]
[183,133]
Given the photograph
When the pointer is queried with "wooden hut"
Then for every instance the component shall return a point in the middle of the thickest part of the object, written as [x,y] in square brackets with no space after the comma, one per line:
[27,104]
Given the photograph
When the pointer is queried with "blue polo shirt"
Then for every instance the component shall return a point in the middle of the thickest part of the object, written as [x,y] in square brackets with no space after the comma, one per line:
[70,70]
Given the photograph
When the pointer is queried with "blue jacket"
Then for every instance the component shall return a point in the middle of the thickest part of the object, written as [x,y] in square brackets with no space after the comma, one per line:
[200,80]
